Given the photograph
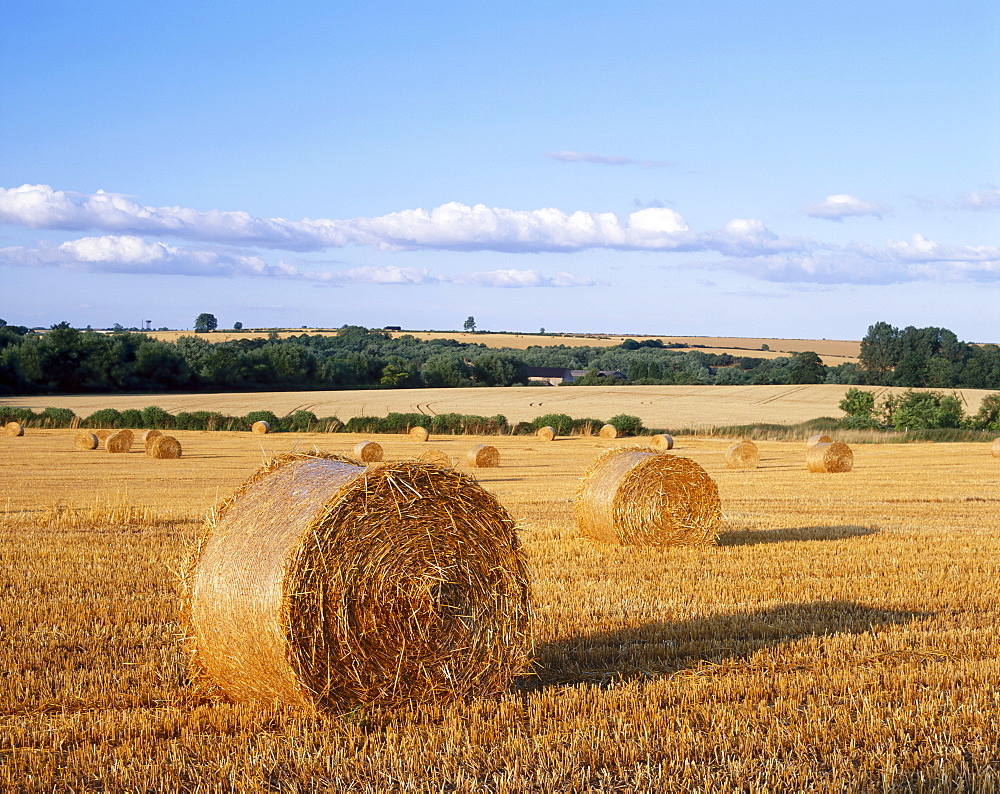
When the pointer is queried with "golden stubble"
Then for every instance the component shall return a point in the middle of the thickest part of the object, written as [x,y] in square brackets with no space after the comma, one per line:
[841,636]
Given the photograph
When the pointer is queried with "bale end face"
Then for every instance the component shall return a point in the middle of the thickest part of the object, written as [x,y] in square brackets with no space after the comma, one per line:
[163,447]
[86,441]
[119,442]
[546,433]
[150,434]
[261,427]
[833,458]
[368,451]
[483,456]
[419,434]
[662,442]
[436,458]
[995,449]
[14,429]
[819,438]
[608,431]
[632,496]
[743,455]
[323,583]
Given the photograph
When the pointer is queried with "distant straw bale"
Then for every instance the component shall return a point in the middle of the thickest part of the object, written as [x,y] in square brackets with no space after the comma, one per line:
[368,451]
[546,433]
[743,455]
[435,457]
[819,438]
[995,449]
[163,447]
[14,429]
[632,496]
[119,442]
[261,427]
[419,434]
[86,440]
[608,431]
[324,584]
[103,433]
[149,434]
[661,442]
[483,456]
[832,458]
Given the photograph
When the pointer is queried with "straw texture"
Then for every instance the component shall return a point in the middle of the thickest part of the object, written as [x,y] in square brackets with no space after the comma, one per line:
[483,456]
[326,584]
[119,442]
[743,455]
[631,496]
[831,458]
[13,429]
[148,435]
[261,427]
[163,447]
[435,457]
[661,442]
[819,438]
[103,434]
[546,433]
[419,434]
[368,451]
[995,449]
[608,431]
[85,440]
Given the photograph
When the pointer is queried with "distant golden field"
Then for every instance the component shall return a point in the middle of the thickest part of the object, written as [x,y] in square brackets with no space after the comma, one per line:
[666,407]
[842,635]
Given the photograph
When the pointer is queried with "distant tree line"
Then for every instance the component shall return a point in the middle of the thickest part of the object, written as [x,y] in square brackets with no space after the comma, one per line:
[69,360]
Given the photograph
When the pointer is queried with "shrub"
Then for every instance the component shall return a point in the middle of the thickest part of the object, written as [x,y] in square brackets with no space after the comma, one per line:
[57,417]
[561,423]
[262,416]
[106,418]
[626,424]
[401,423]
[524,429]
[130,417]
[155,417]
[587,427]
[23,416]
[302,421]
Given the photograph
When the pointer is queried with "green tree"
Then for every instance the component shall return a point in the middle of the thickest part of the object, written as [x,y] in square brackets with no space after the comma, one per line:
[237,326]
[923,409]
[807,367]
[205,322]
[988,416]
[470,324]
[859,403]
[880,352]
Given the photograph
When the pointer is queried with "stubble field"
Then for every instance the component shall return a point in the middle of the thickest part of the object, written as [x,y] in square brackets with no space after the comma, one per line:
[842,635]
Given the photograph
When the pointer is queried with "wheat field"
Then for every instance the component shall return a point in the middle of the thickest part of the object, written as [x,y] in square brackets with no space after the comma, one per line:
[842,635]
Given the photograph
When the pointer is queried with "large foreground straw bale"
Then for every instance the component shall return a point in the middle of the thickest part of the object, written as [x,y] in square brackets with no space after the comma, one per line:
[483,456]
[661,442]
[326,584]
[608,431]
[261,427]
[419,434]
[995,449]
[632,496]
[546,433]
[831,458]
[743,455]
[86,440]
[14,429]
[163,447]
[819,438]
[368,451]
[120,441]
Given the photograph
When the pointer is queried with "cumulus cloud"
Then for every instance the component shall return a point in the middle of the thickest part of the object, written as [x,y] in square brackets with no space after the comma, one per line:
[836,208]
[986,199]
[605,159]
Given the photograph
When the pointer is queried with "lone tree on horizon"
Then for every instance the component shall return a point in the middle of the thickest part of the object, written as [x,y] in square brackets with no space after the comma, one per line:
[470,324]
[205,322]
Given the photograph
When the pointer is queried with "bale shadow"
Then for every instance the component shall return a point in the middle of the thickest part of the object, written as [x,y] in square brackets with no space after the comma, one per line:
[662,649]
[750,537]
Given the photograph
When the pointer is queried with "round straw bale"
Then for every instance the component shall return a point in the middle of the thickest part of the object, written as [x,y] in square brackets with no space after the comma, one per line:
[14,429]
[103,433]
[261,427]
[743,455]
[661,442]
[995,449]
[608,431]
[419,434]
[120,441]
[368,451]
[632,496]
[819,438]
[546,433]
[435,457]
[150,434]
[164,447]
[832,458]
[86,440]
[325,584]
[483,456]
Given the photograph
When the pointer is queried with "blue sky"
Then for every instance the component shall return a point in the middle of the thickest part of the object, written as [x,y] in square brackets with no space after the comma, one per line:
[775,169]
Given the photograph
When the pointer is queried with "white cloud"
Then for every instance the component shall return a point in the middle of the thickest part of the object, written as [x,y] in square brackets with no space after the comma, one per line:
[986,199]
[604,159]
[836,208]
